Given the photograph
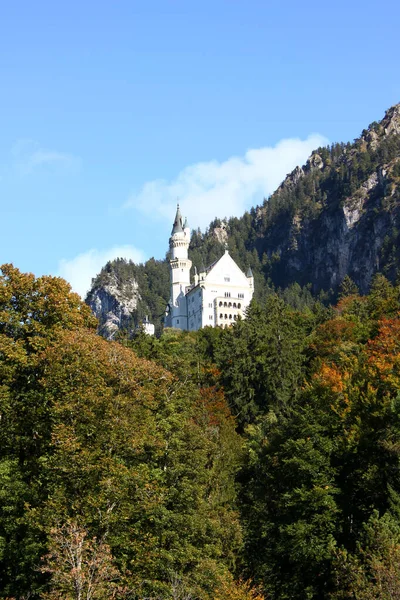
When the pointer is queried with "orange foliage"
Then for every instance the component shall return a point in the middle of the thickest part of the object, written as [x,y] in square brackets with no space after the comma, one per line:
[215,405]
[331,377]
[331,335]
[384,351]
[347,303]
[236,590]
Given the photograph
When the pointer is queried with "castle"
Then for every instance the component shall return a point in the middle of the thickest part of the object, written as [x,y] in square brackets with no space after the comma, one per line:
[218,296]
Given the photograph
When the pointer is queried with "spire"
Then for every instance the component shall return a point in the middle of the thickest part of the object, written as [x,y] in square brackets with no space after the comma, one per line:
[249,273]
[177,227]
[186,224]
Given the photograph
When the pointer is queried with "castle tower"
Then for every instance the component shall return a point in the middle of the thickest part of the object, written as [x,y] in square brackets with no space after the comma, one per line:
[179,272]
[250,278]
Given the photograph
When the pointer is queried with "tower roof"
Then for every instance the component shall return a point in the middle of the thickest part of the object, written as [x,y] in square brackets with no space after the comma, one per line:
[186,224]
[249,272]
[177,226]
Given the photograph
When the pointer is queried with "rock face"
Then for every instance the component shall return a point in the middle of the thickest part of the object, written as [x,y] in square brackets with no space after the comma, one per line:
[220,233]
[391,121]
[114,303]
[124,294]
[318,234]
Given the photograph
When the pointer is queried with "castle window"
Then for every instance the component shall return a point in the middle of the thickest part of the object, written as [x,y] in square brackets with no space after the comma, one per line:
[240,295]
[229,304]
[221,316]
[226,316]
[210,305]
[220,304]
[210,317]
[177,321]
[234,305]
[227,294]
[230,316]
[227,279]
[225,304]
[239,305]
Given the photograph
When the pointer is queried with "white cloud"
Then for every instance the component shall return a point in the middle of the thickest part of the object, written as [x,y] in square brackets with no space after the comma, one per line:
[28,156]
[80,270]
[209,189]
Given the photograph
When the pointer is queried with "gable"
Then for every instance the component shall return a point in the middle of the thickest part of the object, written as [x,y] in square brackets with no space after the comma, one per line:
[226,268]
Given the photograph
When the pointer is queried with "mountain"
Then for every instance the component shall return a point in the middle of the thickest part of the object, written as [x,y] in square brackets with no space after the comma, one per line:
[337,215]
[123,293]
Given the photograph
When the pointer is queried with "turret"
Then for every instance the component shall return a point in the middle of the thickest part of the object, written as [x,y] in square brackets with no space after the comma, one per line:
[250,277]
[180,237]
[177,227]
[186,228]
[180,271]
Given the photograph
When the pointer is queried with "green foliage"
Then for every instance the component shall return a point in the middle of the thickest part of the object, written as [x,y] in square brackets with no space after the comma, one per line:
[373,571]
[133,453]
[94,436]
[347,288]
[260,360]
[33,312]
[289,505]
[315,394]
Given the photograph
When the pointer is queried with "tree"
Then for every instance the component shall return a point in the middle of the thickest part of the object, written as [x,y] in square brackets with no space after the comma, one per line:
[80,568]
[347,287]
[372,572]
[261,359]
[32,312]
[289,503]
[138,453]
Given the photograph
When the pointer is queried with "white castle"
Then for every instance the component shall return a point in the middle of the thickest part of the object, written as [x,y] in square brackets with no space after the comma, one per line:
[218,295]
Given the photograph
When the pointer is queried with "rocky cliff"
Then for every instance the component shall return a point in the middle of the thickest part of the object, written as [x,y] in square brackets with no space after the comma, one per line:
[123,293]
[337,215]
[115,304]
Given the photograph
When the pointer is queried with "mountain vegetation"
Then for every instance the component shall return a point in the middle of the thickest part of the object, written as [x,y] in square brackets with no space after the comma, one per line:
[337,216]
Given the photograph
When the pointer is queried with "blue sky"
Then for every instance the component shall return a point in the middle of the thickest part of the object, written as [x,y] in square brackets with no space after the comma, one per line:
[109,110]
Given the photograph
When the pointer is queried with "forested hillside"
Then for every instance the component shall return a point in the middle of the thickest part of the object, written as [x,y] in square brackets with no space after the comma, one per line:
[338,215]
[259,461]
